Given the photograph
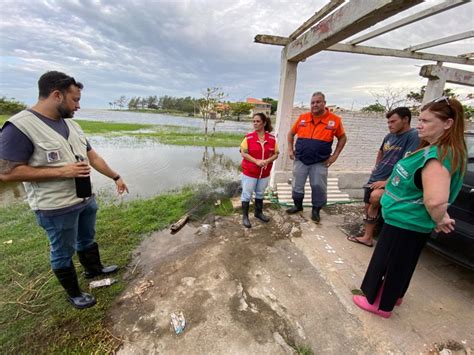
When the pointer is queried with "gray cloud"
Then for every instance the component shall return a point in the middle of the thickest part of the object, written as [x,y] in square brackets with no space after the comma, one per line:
[181,47]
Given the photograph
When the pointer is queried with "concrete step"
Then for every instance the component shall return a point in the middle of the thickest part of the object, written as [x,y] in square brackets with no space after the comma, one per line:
[330,196]
[308,189]
[333,193]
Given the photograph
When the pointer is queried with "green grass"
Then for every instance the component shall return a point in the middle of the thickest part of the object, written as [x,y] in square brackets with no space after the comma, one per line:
[35,317]
[170,112]
[3,118]
[34,314]
[194,138]
[304,350]
[167,134]
[98,127]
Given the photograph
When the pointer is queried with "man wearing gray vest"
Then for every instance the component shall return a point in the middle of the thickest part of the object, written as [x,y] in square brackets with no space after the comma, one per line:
[46,150]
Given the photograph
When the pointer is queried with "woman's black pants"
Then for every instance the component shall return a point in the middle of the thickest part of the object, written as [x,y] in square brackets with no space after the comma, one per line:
[392,265]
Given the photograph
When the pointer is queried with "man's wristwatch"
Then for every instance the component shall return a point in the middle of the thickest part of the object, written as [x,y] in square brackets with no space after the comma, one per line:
[116,178]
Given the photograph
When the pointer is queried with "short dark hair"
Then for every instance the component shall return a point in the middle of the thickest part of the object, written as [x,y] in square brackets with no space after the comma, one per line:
[400,111]
[55,80]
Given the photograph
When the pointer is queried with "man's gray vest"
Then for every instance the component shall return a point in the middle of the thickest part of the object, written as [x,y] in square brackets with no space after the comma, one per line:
[51,150]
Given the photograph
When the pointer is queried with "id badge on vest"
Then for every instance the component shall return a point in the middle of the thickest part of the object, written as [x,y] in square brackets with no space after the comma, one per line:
[53,156]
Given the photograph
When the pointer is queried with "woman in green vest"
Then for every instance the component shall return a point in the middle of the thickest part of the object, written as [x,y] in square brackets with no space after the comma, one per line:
[415,202]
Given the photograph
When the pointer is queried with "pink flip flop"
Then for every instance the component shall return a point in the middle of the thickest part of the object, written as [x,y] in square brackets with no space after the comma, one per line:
[361,302]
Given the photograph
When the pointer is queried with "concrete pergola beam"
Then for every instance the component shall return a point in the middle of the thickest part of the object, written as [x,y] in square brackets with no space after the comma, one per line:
[410,19]
[450,75]
[440,41]
[438,76]
[378,51]
[348,20]
[388,52]
[467,55]
[333,4]
[273,40]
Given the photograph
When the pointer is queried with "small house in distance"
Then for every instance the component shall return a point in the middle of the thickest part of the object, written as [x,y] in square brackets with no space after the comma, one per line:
[259,106]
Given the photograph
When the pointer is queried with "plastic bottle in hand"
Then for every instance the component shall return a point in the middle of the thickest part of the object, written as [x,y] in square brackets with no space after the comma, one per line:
[83,184]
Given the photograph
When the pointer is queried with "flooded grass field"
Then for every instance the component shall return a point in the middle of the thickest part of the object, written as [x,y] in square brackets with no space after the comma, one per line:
[153,153]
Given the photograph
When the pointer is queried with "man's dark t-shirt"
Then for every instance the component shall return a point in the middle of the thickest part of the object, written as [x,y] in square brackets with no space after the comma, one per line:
[23,148]
[394,148]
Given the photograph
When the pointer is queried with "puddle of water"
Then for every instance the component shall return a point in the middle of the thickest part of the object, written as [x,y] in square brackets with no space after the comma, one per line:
[150,168]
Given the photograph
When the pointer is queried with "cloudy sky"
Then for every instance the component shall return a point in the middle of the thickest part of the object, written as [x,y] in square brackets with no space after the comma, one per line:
[181,47]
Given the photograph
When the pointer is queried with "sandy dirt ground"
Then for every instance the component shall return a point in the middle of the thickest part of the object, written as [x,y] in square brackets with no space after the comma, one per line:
[282,288]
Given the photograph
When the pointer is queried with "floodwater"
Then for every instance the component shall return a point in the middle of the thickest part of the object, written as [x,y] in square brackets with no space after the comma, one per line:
[160,119]
[148,167]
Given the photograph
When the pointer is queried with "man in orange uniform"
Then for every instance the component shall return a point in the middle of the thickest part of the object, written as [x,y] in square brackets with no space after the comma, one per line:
[312,153]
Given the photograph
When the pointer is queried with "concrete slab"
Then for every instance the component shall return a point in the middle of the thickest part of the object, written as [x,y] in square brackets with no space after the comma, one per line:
[277,288]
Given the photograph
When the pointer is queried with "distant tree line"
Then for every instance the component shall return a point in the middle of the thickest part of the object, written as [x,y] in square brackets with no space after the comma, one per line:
[10,106]
[389,98]
[185,104]
[190,105]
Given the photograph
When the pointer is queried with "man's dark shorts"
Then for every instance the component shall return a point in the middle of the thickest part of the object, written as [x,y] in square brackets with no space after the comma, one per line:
[367,192]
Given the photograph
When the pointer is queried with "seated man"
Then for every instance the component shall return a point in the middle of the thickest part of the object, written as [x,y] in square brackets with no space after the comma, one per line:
[401,141]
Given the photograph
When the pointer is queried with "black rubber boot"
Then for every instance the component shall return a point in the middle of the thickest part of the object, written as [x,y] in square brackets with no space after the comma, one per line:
[90,259]
[245,214]
[259,211]
[315,214]
[297,207]
[68,279]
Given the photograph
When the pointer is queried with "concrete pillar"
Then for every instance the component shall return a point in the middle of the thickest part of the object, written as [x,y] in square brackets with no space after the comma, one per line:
[286,99]
[435,86]
[434,89]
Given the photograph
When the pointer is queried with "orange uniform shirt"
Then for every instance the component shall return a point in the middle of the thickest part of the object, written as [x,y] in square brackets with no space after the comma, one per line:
[315,136]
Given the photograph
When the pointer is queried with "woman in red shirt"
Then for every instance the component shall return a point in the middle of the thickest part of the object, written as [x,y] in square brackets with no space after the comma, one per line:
[258,149]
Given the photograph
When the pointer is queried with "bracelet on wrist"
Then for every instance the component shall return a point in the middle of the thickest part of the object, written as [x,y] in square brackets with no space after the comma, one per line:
[116,178]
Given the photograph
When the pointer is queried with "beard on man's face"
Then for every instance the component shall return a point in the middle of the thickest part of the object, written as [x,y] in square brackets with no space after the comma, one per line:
[64,112]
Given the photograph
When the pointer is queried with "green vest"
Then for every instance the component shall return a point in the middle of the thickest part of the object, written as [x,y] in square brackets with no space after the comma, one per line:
[51,150]
[402,202]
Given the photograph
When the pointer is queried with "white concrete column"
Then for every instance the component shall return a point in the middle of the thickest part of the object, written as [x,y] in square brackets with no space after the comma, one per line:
[434,89]
[435,86]
[283,121]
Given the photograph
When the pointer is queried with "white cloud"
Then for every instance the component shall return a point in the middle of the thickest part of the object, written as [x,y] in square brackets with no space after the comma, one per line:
[181,47]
